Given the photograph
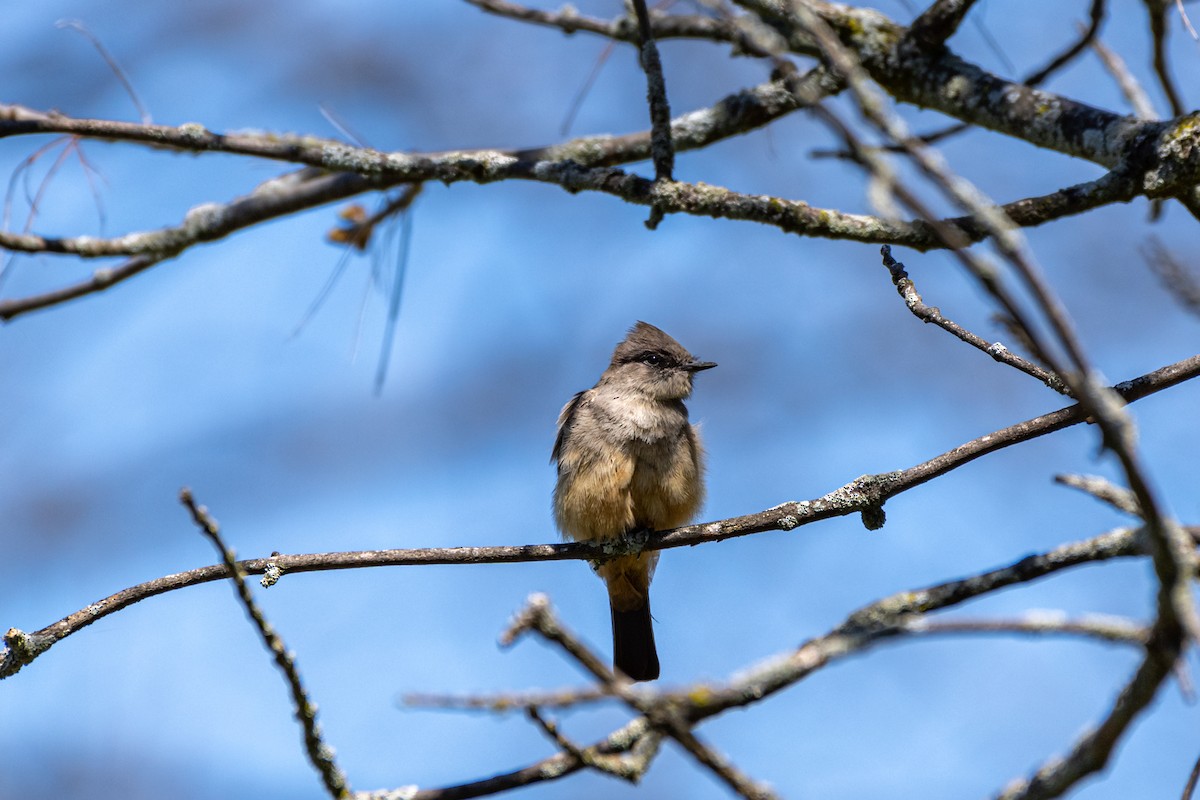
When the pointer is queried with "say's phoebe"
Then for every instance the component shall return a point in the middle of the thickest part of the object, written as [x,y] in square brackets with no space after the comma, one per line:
[628,459]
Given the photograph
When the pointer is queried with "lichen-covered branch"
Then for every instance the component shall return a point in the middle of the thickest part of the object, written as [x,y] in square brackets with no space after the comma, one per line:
[307,188]
[320,755]
[890,619]
[938,22]
[865,495]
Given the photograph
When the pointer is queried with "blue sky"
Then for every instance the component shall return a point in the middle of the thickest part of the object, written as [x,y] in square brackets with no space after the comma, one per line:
[514,296]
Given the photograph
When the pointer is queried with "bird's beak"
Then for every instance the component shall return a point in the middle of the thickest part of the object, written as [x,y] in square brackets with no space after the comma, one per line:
[697,366]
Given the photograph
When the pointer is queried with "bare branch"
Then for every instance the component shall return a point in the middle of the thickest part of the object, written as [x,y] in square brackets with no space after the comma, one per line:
[931,314]
[1139,101]
[101,279]
[629,767]
[1175,611]
[114,66]
[306,189]
[892,616]
[320,755]
[1182,283]
[746,39]
[737,113]
[635,738]
[743,785]
[550,728]
[864,495]
[1190,788]
[938,22]
[1086,37]
[1118,497]
[938,79]
[1091,752]
[275,198]
[538,617]
[1158,34]
[662,712]
[884,620]
[508,701]
[661,149]
[1092,626]
[1040,623]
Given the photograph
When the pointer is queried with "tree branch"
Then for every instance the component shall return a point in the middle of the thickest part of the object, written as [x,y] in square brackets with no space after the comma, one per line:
[889,619]
[623,29]
[1087,37]
[1176,619]
[933,315]
[1158,35]
[306,189]
[320,755]
[864,495]
[661,149]
[938,22]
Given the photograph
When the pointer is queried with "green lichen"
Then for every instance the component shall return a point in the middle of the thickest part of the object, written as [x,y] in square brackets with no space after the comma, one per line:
[193,131]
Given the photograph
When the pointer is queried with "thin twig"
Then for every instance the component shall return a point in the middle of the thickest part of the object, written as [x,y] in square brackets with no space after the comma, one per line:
[550,728]
[938,22]
[733,777]
[1158,35]
[665,26]
[1180,281]
[320,755]
[1040,623]
[33,198]
[505,702]
[102,279]
[1190,788]
[663,713]
[626,767]
[1187,22]
[1103,490]
[585,89]
[662,151]
[1138,100]
[1086,37]
[536,616]
[1092,750]
[932,314]
[79,27]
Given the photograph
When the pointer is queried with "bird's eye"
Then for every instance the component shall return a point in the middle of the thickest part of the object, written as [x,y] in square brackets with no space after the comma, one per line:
[653,359]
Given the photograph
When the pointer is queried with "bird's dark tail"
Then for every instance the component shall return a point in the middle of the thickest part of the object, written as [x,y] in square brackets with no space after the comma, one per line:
[633,643]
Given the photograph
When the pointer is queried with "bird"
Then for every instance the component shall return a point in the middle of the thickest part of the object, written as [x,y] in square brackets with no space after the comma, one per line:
[629,460]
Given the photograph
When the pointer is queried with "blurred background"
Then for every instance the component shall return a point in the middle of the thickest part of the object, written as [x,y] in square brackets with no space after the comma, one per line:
[515,293]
